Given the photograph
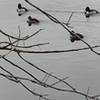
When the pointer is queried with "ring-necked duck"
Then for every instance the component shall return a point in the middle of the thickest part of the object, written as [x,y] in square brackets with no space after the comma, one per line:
[31,21]
[21,10]
[73,37]
[89,12]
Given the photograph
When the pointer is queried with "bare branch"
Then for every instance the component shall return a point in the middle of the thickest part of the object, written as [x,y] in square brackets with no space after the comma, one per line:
[57,21]
[59,81]
[21,69]
[52,51]
[23,38]
[45,72]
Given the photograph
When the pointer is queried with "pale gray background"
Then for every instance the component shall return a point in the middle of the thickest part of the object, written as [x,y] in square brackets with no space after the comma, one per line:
[82,67]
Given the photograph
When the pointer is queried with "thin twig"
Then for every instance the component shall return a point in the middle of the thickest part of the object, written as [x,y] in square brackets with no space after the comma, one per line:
[52,51]
[55,20]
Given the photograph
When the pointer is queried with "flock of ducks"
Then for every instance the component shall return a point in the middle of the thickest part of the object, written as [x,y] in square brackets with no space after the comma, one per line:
[88,13]
[22,10]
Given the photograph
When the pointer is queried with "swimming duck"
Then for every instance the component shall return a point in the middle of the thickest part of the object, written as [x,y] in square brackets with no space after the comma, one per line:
[74,37]
[89,12]
[21,10]
[31,21]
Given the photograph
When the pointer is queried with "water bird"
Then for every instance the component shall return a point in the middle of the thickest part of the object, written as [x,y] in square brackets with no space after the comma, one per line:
[75,36]
[31,21]
[21,10]
[89,12]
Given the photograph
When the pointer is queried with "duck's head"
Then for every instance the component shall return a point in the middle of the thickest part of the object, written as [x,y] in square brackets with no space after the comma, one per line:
[29,17]
[19,6]
[87,8]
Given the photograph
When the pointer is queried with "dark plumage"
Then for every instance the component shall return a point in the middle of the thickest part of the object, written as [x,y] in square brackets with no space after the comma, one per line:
[76,36]
[31,21]
[21,10]
[20,7]
[89,12]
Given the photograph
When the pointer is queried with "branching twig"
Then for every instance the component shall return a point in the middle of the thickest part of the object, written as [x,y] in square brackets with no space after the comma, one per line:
[45,72]
[59,81]
[19,46]
[15,65]
[18,81]
[57,21]
[23,38]
[52,51]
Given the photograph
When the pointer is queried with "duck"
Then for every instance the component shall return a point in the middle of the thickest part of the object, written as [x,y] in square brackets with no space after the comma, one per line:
[31,21]
[74,37]
[89,12]
[21,10]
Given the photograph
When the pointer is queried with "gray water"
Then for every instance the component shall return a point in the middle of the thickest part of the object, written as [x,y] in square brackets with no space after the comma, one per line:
[82,67]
